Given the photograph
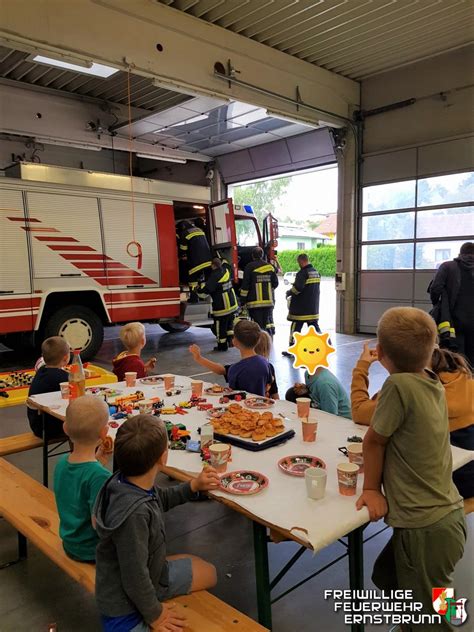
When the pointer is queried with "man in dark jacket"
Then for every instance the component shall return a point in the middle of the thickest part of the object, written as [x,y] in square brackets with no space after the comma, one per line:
[224,302]
[257,291]
[456,279]
[304,298]
[194,249]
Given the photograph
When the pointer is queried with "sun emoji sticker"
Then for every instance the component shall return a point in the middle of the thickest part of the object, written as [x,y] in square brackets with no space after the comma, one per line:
[311,350]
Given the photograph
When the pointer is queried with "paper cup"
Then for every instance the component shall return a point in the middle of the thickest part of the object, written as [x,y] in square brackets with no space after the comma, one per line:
[64,386]
[145,407]
[354,452]
[196,387]
[309,428]
[131,378]
[220,453]
[347,478]
[315,479]
[303,405]
[168,381]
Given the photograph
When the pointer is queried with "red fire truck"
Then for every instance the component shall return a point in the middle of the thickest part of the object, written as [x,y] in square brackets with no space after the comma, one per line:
[67,264]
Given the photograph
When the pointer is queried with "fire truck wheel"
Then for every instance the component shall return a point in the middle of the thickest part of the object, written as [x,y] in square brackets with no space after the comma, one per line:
[81,327]
[174,328]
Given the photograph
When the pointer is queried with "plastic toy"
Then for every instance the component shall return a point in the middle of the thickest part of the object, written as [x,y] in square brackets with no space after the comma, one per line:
[204,406]
[238,396]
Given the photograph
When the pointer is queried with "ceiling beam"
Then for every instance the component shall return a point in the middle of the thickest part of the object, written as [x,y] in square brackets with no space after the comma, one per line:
[123,33]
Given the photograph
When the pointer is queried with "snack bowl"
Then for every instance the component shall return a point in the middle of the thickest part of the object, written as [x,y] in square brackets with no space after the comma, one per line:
[259,402]
[243,482]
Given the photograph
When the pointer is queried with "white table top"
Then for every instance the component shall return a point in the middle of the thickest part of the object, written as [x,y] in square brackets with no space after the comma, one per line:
[283,503]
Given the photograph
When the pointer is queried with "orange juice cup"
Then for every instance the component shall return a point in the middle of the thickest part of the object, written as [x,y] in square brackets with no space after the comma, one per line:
[64,386]
[131,378]
[168,380]
[354,452]
[196,387]
[220,454]
[303,405]
[347,478]
[309,428]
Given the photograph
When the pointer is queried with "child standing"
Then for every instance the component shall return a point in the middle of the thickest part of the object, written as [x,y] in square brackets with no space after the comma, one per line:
[407,446]
[133,339]
[134,576]
[252,373]
[79,476]
[56,354]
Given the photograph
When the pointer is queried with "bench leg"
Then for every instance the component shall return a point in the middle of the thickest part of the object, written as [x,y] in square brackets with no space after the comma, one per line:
[262,575]
[45,453]
[356,566]
[22,552]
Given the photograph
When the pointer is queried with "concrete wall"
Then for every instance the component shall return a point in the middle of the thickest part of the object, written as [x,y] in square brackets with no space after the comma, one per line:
[444,107]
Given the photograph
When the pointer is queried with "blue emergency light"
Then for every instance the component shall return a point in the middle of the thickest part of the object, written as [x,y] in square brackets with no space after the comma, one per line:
[248,209]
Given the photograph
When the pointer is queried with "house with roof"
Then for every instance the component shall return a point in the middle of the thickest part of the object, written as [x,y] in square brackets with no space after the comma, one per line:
[328,227]
[291,237]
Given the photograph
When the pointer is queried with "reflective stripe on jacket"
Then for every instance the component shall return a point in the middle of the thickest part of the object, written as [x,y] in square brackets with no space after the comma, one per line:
[193,245]
[219,286]
[259,281]
[304,295]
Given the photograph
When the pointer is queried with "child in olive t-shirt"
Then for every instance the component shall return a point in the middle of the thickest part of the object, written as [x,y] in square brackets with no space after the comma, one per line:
[79,476]
[407,449]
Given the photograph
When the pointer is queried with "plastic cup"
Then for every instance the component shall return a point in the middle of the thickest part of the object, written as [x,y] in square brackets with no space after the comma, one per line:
[145,407]
[64,386]
[196,387]
[354,452]
[303,405]
[309,428]
[131,378]
[347,478]
[220,453]
[315,479]
[168,381]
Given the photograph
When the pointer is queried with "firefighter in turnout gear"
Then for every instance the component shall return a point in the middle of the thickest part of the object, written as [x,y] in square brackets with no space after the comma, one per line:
[257,291]
[224,302]
[194,250]
[304,298]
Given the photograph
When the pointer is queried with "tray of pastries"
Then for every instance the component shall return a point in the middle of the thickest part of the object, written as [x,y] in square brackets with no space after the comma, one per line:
[250,429]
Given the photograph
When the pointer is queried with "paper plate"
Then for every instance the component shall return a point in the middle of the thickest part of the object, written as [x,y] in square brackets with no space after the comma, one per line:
[151,379]
[297,464]
[258,402]
[243,482]
[103,390]
[225,391]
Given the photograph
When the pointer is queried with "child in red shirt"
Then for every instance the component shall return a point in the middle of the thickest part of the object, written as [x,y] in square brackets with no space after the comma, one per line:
[133,338]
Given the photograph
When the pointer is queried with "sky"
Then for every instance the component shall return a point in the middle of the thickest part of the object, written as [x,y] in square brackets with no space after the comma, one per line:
[308,193]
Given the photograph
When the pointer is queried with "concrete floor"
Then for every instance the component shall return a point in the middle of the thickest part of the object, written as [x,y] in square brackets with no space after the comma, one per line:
[36,593]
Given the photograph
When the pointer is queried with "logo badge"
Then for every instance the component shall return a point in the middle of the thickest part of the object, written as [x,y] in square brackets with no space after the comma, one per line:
[445,604]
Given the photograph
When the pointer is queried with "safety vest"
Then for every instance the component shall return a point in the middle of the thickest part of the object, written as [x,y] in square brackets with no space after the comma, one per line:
[259,281]
[219,286]
[304,294]
[193,244]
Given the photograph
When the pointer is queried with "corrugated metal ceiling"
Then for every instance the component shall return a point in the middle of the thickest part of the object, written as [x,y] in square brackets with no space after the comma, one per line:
[15,65]
[355,38]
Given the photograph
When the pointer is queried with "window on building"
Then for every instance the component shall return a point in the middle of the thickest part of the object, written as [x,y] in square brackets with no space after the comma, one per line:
[301,245]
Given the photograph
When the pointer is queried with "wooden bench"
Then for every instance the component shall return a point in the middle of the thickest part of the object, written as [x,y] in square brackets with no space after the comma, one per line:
[28,441]
[31,509]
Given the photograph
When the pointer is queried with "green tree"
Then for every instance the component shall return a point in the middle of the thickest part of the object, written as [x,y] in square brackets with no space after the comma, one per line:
[262,196]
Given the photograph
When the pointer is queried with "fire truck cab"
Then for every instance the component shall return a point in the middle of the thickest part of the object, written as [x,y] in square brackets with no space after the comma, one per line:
[78,252]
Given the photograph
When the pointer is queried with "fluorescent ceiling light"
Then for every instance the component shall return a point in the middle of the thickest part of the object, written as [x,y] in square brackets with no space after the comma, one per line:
[66,143]
[180,161]
[290,118]
[97,70]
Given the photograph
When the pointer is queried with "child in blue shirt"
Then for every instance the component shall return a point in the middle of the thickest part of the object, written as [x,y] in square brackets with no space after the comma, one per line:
[253,372]
[326,393]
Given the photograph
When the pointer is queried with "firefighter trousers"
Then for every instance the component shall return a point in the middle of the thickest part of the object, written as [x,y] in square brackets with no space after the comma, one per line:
[224,331]
[297,325]
[263,316]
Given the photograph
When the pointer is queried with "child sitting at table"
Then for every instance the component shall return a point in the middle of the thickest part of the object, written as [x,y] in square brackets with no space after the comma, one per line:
[252,373]
[325,391]
[407,446]
[263,349]
[133,339]
[134,575]
[79,476]
[56,354]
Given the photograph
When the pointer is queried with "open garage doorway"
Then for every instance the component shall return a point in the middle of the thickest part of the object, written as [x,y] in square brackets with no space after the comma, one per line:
[305,205]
